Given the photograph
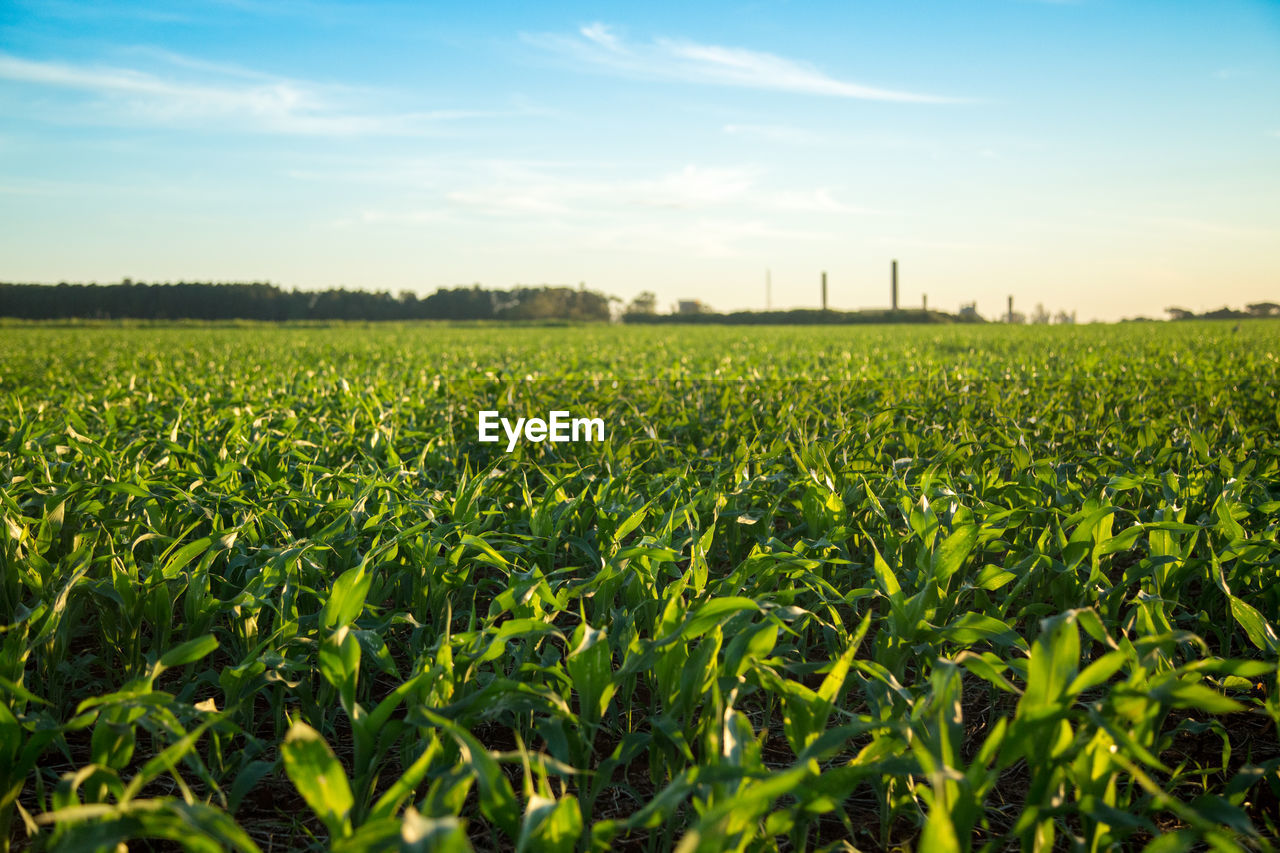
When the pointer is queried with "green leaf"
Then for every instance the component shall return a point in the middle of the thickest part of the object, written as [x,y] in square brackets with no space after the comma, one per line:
[1259,631]
[190,651]
[631,523]
[1097,672]
[497,799]
[185,555]
[590,665]
[714,612]
[419,834]
[1055,656]
[550,825]
[1122,541]
[884,575]
[318,777]
[955,549]
[346,599]
[974,627]
[1201,698]
[939,831]
[339,661]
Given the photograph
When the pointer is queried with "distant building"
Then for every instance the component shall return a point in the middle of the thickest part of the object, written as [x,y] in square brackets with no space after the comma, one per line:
[692,306]
[969,310]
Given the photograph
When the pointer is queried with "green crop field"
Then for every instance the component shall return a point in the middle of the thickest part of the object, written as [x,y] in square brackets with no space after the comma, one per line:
[926,588]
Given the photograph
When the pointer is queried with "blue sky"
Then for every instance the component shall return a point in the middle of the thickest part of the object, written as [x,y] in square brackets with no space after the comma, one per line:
[1103,156]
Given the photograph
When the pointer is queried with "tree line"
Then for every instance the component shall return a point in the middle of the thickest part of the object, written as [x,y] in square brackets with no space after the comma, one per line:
[1255,309]
[263,301]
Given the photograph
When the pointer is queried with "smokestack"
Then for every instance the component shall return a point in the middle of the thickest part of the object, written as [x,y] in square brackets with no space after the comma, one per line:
[924,302]
[1009,318]
[893,300]
[824,291]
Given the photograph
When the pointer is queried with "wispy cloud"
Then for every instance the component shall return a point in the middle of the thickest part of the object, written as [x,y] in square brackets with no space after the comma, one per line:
[193,63]
[234,98]
[1207,227]
[705,238]
[410,218]
[694,186]
[704,211]
[596,46]
[815,201]
[601,35]
[519,189]
[775,133]
[943,245]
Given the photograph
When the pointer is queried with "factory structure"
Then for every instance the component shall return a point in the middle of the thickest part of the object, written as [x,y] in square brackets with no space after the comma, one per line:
[893,291]
[967,310]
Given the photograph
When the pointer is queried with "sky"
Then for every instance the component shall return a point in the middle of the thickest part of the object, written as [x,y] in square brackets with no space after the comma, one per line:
[1108,157]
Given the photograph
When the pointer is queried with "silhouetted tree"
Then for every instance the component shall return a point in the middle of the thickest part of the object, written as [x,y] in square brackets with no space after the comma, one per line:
[261,301]
[1223,313]
[645,303]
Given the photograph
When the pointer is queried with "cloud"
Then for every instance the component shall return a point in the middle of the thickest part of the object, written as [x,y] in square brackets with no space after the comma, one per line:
[520,188]
[1190,225]
[517,189]
[192,63]
[775,133]
[943,245]
[595,46]
[230,97]
[693,186]
[700,211]
[705,238]
[814,201]
[393,217]
[503,201]
[601,35]
[599,203]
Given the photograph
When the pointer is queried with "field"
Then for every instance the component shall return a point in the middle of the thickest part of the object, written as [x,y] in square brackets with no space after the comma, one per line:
[934,589]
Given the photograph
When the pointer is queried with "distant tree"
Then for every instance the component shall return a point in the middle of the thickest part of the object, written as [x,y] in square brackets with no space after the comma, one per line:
[1040,316]
[262,301]
[1180,313]
[547,302]
[645,303]
[1263,309]
[1017,318]
[1224,313]
[460,303]
[1062,318]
